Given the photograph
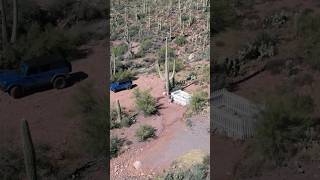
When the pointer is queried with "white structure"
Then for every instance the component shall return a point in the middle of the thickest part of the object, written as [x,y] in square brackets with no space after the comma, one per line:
[181,97]
[233,115]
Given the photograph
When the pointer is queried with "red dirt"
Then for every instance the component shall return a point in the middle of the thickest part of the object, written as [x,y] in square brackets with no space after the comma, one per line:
[154,155]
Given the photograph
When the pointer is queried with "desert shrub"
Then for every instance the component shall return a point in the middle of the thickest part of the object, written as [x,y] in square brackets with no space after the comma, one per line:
[12,162]
[218,78]
[162,54]
[93,110]
[123,75]
[181,40]
[145,132]
[146,44]
[264,44]
[49,41]
[126,119]
[9,58]
[120,50]
[206,74]
[308,25]
[115,146]
[133,31]
[179,65]
[223,15]
[145,102]
[282,125]
[83,10]
[198,101]
[197,171]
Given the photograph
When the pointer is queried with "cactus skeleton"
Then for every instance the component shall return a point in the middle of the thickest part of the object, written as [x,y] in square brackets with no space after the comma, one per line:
[166,76]
[28,151]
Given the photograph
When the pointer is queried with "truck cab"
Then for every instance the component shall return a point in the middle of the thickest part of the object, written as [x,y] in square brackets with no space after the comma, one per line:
[35,73]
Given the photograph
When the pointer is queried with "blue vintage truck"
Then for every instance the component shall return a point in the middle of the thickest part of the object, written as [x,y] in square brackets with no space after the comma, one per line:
[35,73]
[118,86]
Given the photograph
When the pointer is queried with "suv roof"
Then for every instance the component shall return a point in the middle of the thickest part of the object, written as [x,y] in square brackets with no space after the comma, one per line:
[44,60]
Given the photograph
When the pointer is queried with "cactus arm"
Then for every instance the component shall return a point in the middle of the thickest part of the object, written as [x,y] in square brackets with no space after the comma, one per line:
[173,69]
[28,151]
[158,70]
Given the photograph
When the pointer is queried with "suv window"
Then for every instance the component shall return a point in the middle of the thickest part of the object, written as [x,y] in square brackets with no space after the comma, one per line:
[32,71]
[45,68]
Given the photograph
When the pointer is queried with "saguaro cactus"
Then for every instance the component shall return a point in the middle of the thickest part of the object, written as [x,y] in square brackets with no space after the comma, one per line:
[166,76]
[14,22]
[28,151]
[119,117]
[3,23]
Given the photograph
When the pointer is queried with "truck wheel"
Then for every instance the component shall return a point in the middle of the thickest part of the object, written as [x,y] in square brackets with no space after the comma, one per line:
[16,92]
[129,87]
[59,82]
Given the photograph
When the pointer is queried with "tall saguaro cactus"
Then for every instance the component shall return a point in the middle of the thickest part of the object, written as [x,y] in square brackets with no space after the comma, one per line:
[3,23]
[166,77]
[28,151]
[118,112]
[14,22]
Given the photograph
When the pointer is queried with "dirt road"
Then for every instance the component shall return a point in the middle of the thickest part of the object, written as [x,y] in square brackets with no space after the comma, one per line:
[174,138]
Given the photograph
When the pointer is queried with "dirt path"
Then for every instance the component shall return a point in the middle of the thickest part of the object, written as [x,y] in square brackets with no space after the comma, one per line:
[46,111]
[173,137]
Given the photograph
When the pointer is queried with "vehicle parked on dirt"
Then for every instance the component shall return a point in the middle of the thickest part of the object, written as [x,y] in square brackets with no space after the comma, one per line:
[35,73]
[118,86]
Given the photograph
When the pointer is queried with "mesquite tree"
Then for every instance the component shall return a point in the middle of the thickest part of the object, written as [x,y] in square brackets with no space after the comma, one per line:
[166,77]
[28,151]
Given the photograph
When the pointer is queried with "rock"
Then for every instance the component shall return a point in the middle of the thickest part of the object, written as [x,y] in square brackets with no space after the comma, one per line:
[191,57]
[137,165]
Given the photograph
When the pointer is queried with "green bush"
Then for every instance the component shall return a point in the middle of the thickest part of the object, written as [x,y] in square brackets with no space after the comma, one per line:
[126,119]
[195,172]
[145,102]
[145,132]
[115,146]
[162,54]
[49,41]
[282,125]
[83,10]
[146,44]
[198,101]
[181,40]
[93,110]
[119,50]
[123,75]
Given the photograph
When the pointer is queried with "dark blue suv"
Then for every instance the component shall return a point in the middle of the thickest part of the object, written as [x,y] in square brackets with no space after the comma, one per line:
[117,86]
[35,73]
